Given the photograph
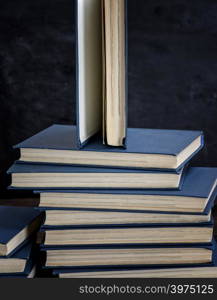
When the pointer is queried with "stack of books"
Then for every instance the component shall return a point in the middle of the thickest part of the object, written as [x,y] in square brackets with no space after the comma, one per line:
[121,212]
[18,250]
[119,202]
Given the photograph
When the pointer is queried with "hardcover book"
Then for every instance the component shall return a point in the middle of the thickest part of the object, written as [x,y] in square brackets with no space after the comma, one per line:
[149,234]
[107,258]
[196,271]
[146,149]
[18,263]
[29,273]
[101,62]
[196,196]
[17,225]
[40,176]
[187,272]
[86,218]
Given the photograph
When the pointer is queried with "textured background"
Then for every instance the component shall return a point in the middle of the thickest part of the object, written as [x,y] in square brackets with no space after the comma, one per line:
[172,69]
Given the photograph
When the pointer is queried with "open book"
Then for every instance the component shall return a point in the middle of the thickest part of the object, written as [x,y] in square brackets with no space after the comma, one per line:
[101,70]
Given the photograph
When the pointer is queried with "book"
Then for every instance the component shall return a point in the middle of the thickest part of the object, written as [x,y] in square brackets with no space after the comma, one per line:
[105,258]
[19,262]
[101,75]
[30,273]
[17,225]
[38,176]
[196,196]
[81,218]
[146,149]
[146,235]
[195,272]
[181,262]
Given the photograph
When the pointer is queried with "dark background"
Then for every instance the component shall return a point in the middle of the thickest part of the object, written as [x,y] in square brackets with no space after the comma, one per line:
[172,70]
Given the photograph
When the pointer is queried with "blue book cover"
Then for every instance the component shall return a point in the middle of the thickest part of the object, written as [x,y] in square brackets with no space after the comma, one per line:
[44,176]
[146,225]
[152,145]
[199,185]
[21,253]
[13,222]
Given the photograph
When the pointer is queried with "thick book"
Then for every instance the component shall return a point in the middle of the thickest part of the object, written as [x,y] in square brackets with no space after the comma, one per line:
[17,225]
[20,262]
[101,75]
[29,273]
[146,149]
[56,219]
[204,270]
[39,176]
[187,272]
[94,258]
[197,195]
[149,234]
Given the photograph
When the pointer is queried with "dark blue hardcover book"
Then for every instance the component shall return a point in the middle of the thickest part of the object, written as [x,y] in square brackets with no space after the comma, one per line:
[138,270]
[41,176]
[20,263]
[198,193]
[146,149]
[93,259]
[87,219]
[17,225]
[179,271]
[149,234]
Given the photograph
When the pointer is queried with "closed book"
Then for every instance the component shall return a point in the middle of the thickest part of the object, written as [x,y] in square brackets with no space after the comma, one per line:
[55,219]
[21,262]
[187,272]
[40,176]
[146,149]
[197,196]
[179,271]
[149,234]
[129,257]
[17,225]
[30,273]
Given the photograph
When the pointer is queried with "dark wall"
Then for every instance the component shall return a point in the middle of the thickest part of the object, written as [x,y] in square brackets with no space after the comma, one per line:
[172,69]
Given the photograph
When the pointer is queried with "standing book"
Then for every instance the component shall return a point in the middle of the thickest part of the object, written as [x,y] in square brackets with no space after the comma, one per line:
[101,61]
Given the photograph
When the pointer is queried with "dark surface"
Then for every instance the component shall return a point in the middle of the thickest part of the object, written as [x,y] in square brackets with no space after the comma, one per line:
[172,69]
